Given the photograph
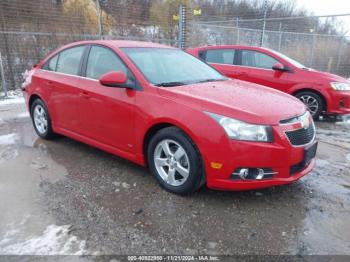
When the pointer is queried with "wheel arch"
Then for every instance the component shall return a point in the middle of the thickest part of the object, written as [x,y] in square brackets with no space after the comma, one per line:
[306,89]
[32,98]
[157,126]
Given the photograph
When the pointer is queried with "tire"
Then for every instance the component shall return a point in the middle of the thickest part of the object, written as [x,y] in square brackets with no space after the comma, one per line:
[41,119]
[313,101]
[177,156]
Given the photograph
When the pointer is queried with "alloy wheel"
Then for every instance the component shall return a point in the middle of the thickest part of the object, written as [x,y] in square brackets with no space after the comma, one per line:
[311,103]
[40,119]
[172,162]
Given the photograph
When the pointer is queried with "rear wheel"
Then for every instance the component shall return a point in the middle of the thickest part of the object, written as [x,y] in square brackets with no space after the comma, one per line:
[313,102]
[41,119]
[174,161]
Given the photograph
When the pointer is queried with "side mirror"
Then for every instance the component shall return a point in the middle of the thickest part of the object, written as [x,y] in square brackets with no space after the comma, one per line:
[279,67]
[114,79]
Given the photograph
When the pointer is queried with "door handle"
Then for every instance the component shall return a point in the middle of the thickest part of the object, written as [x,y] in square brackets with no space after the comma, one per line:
[84,95]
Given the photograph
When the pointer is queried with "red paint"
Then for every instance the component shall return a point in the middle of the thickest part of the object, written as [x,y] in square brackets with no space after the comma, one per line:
[291,82]
[117,119]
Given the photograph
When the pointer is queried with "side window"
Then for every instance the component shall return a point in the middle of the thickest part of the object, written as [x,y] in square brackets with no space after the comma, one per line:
[202,54]
[103,60]
[51,64]
[220,56]
[69,60]
[257,59]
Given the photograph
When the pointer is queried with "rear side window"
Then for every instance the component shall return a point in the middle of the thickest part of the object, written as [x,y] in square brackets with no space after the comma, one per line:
[69,60]
[103,60]
[220,56]
[257,59]
[51,64]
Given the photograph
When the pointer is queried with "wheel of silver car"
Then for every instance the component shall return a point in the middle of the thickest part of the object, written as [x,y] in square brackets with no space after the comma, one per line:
[40,119]
[171,162]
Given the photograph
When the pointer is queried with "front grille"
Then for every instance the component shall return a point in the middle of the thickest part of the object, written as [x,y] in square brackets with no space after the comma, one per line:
[301,136]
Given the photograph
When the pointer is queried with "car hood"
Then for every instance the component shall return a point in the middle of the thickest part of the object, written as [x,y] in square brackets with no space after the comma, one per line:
[324,75]
[238,99]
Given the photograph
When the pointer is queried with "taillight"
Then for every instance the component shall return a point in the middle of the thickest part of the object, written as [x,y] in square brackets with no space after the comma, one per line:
[27,77]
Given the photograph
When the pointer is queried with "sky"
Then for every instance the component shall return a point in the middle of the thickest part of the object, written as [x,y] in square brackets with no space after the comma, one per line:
[329,7]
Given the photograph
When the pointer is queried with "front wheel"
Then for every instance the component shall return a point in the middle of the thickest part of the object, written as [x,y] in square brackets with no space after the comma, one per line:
[313,102]
[174,161]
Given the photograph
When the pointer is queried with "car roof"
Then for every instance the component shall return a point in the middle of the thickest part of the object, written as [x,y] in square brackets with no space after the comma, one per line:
[230,46]
[123,43]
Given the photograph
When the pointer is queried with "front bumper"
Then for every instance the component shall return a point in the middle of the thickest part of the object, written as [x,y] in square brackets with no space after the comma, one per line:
[226,184]
[339,102]
[280,156]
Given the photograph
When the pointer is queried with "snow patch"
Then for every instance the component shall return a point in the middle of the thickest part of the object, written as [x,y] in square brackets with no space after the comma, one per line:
[322,163]
[22,115]
[55,240]
[348,157]
[8,139]
[346,122]
[12,101]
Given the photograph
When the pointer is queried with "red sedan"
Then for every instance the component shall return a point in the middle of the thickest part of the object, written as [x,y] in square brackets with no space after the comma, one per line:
[161,107]
[321,92]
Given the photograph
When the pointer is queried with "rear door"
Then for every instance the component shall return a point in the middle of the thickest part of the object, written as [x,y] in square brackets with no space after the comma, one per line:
[106,113]
[223,60]
[60,75]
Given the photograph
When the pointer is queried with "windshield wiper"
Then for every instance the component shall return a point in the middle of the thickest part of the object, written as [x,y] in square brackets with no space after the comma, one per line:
[167,84]
[212,80]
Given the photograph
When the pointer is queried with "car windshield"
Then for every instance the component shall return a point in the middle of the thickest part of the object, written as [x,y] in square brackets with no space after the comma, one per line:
[171,67]
[290,60]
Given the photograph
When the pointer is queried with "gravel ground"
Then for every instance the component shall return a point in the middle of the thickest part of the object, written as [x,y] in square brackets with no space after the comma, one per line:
[64,197]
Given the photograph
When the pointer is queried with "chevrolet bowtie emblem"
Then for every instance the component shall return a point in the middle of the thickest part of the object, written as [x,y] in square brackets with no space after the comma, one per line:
[305,122]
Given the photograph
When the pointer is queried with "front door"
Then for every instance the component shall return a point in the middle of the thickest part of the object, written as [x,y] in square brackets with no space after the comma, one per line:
[107,114]
[256,67]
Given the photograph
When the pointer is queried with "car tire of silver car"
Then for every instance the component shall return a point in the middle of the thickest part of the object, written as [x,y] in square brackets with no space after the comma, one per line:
[175,161]
[313,102]
[41,119]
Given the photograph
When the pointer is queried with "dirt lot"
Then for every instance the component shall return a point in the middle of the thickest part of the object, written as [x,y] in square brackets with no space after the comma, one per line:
[63,197]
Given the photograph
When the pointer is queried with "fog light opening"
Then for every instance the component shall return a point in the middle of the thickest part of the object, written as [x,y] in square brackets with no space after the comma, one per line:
[252,173]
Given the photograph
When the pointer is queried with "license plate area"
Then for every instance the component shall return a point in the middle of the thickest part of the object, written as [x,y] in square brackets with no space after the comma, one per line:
[310,153]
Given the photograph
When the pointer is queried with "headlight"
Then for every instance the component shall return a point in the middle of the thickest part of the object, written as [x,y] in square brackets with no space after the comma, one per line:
[240,130]
[340,86]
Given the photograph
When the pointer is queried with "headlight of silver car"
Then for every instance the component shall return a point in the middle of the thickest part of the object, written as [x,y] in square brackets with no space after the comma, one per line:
[340,86]
[240,130]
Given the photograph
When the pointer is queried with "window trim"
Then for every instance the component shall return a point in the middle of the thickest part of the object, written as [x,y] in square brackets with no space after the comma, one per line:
[86,59]
[254,67]
[46,66]
[235,57]
[83,64]
[43,67]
